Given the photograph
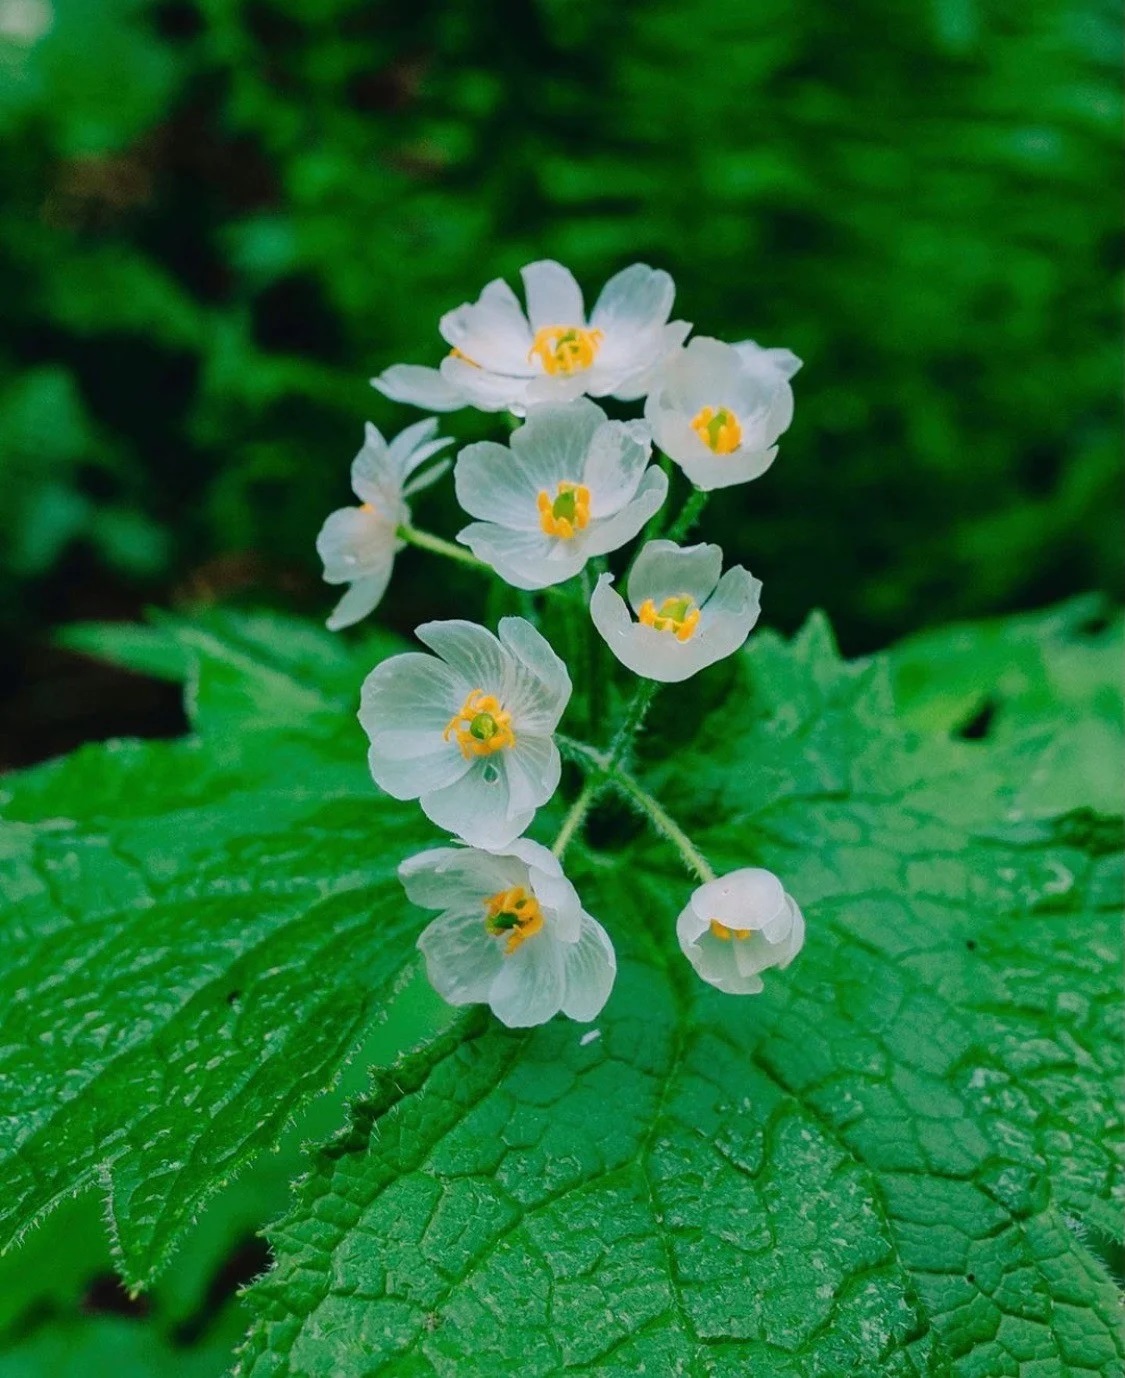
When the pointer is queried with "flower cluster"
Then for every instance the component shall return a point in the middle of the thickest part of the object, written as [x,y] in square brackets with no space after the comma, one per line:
[471,730]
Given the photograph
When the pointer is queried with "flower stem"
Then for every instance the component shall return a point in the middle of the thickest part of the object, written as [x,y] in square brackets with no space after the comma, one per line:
[663,822]
[576,814]
[425,541]
[602,763]
[689,515]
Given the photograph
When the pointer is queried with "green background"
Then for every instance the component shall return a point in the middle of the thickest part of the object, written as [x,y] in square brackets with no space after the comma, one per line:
[219,218]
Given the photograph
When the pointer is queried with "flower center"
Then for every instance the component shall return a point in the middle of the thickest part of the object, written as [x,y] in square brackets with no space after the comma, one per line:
[481,727]
[567,512]
[724,933]
[515,913]
[565,349]
[678,615]
[719,430]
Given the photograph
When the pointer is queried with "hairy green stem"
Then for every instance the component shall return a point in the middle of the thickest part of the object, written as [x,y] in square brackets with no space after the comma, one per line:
[603,763]
[689,515]
[663,823]
[606,772]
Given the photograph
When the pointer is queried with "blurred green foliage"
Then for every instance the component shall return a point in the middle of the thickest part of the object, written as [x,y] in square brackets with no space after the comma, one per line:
[220,217]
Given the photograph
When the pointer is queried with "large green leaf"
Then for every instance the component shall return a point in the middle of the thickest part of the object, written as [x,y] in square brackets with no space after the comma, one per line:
[195,935]
[898,1160]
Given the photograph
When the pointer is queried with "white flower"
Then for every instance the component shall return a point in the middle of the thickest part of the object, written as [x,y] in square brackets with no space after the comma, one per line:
[358,544]
[512,934]
[687,616]
[469,734]
[718,409]
[573,485]
[503,359]
[739,925]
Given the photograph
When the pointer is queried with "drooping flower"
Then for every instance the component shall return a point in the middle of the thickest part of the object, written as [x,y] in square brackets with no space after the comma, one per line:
[358,544]
[572,486]
[718,409]
[468,731]
[503,359]
[687,617]
[736,927]
[512,933]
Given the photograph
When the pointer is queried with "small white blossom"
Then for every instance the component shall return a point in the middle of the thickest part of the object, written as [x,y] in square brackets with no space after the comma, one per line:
[738,926]
[468,731]
[687,616]
[718,409]
[504,359]
[358,544]
[572,486]
[512,934]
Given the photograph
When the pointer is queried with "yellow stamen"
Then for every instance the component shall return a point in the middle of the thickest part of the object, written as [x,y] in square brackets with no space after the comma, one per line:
[719,430]
[514,912]
[678,615]
[481,727]
[565,349]
[721,931]
[567,512]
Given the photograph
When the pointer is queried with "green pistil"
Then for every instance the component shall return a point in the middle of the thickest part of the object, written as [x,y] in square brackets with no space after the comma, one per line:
[483,727]
[564,507]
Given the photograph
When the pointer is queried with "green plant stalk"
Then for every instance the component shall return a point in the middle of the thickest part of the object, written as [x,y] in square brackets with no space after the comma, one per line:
[425,541]
[690,513]
[604,772]
[603,763]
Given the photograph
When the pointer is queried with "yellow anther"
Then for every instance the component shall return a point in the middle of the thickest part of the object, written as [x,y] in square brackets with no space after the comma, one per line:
[567,512]
[719,430]
[514,912]
[565,349]
[481,727]
[721,931]
[455,353]
[677,615]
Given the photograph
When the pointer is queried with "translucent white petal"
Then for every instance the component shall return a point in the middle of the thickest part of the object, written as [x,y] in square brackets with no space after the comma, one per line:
[491,332]
[673,432]
[600,537]
[405,706]
[355,544]
[638,298]
[539,688]
[553,295]
[362,598]
[724,471]
[492,484]
[463,959]
[644,650]
[419,387]
[552,444]
[534,768]
[536,857]
[459,878]
[476,807]
[784,360]
[421,482]
[666,570]
[615,461]
[483,389]
[748,898]
[547,389]
[590,966]
[526,559]
[637,383]
[470,649]
[530,986]
[410,440]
